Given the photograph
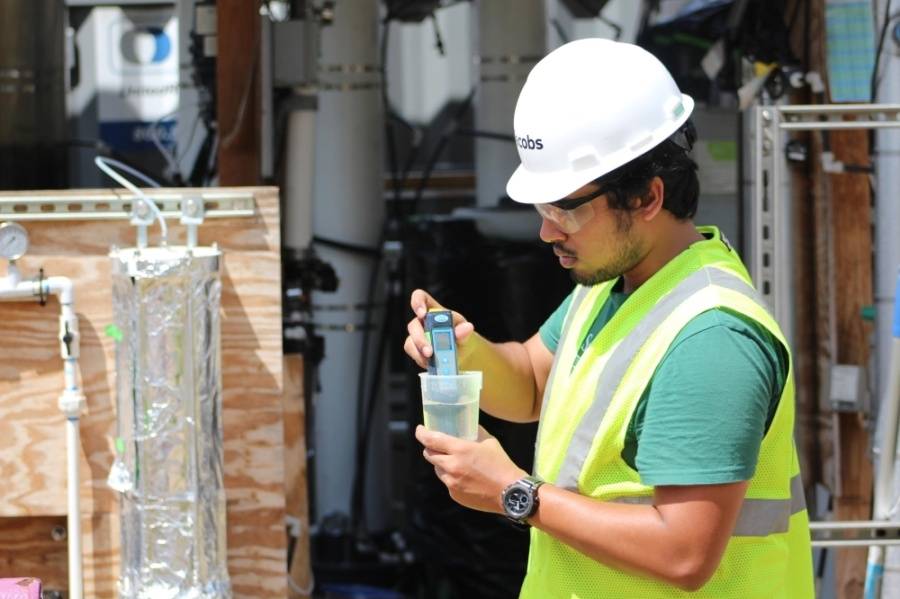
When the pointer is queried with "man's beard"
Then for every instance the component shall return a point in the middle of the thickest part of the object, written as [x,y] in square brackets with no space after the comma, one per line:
[628,256]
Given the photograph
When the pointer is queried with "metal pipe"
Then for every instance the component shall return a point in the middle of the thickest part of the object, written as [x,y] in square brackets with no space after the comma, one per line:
[888,416]
[835,125]
[852,525]
[885,578]
[838,108]
[875,544]
[71,402]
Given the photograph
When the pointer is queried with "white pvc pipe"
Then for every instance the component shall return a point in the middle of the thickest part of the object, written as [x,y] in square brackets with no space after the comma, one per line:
[62,288]
[11,290]
[70,402]
[883,577]
[888,415]
[73,442]
[299,177]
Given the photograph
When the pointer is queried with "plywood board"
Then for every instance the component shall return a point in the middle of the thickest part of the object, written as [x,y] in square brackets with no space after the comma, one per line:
[32,441]
[852,238]
[35,548]
[296,496]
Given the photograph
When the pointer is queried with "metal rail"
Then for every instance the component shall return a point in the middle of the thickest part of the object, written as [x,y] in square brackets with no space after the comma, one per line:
[46,206]
[863,533]
[771,252]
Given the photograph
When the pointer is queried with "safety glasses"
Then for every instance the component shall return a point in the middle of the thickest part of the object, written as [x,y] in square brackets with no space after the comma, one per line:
[570,214]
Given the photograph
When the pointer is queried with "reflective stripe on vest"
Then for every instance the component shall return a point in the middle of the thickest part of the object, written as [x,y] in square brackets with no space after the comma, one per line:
[580,293]
[621,358]
[758,517]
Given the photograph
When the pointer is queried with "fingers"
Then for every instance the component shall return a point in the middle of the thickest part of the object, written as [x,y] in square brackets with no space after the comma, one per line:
[463,330]
[415,353]
[442,464]
[416,345]
[437,443]
[421,303]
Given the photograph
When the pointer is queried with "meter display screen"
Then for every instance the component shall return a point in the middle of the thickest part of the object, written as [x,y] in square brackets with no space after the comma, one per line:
[442,341]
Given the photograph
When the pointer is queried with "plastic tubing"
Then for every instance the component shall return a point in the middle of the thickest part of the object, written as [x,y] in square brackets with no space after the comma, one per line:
[104,165]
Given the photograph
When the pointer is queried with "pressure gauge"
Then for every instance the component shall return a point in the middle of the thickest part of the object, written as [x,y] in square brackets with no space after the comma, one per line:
[13,241]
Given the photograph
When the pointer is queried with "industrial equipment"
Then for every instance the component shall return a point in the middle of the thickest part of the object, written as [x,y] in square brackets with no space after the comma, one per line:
[169,455]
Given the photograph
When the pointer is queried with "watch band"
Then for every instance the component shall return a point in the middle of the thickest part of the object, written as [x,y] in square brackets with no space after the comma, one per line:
[532,481]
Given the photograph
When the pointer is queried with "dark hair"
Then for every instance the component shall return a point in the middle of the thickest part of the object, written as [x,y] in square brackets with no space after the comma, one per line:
[670,162]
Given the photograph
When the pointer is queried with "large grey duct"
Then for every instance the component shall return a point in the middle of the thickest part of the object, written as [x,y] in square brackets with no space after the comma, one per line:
[169,455]
[347,207]
[505,55]
[887,208]
[887,244]
[32,94]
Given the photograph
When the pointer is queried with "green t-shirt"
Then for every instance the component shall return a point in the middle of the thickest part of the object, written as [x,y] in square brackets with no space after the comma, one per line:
[704,412]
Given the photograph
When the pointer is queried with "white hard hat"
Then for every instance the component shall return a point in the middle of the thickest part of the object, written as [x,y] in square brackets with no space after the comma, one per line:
[587,108]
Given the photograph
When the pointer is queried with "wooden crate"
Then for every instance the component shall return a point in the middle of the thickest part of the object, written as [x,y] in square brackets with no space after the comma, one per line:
[32,438]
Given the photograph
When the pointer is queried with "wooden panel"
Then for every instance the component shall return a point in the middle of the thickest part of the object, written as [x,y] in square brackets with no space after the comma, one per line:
[33,547]
[294,438]
[852,230]
[100,546]
[806,200]
[296,497]
[32,441]
[237,91]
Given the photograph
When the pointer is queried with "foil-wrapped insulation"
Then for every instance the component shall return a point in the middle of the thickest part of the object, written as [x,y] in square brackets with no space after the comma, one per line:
[169,454]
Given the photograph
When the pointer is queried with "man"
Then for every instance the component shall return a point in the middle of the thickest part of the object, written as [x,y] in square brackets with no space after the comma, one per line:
[665,463]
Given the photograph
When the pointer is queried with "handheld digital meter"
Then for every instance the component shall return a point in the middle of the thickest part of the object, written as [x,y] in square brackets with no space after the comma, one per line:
[439,330]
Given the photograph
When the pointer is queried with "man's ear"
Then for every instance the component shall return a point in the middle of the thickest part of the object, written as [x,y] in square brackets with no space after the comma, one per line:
[652,203]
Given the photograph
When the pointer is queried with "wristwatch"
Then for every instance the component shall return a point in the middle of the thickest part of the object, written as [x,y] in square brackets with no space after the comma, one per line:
[520,499]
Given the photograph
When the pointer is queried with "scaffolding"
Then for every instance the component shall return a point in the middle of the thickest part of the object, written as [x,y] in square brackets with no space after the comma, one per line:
[771,257]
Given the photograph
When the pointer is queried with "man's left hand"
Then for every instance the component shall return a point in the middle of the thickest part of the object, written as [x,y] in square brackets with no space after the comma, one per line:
[475,472]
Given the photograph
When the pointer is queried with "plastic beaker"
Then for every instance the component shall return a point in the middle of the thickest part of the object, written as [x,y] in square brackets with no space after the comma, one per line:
[450,403]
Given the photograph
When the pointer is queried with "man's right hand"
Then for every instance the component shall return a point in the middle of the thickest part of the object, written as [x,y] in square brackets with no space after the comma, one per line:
[416,345]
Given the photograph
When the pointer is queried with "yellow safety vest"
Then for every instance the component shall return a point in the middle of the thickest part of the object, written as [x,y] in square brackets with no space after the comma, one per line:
[586,409]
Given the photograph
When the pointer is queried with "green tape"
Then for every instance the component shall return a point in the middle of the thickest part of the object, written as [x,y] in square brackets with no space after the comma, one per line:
[113,331]
[692,40]
[722,151]
[120,445]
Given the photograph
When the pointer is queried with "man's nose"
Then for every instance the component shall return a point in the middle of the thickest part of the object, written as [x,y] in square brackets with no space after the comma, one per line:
[550,231]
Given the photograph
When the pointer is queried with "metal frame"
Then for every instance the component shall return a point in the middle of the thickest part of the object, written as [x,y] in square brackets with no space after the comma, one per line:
[770,257]
[771,253]
[47,206]
[862,533]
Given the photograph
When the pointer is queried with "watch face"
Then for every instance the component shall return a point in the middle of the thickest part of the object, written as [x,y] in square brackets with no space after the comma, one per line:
[518,502]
